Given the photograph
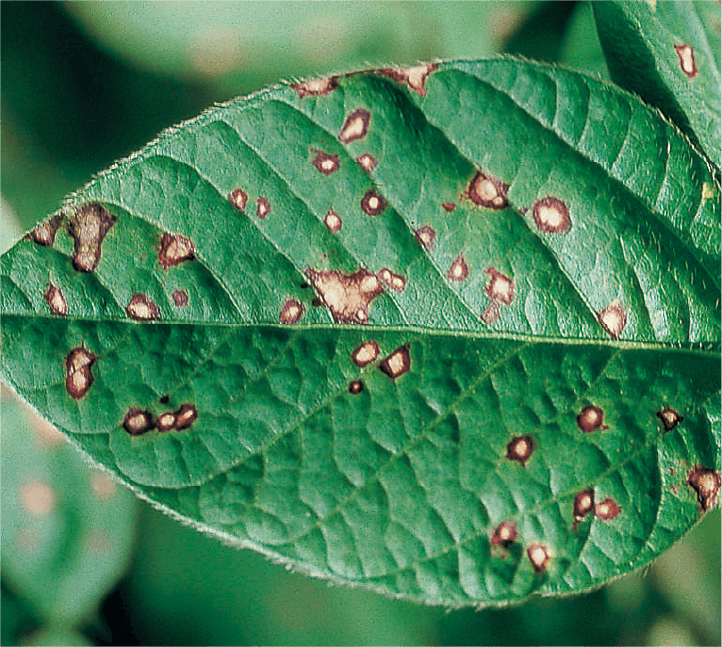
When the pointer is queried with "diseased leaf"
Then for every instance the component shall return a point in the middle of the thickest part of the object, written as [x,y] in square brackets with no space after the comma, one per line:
[668,53]
[67,530]
[448,332]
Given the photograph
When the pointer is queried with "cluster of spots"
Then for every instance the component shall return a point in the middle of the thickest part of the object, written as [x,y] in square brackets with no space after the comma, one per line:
[137,421]
[706,484]
[263,208]
[356,387]
[174,250]
[591,419]
[583,505]
[355,127]
[504,535]
[78,372]
[325,163]
[487,191]
[291,311]
[180,298]
[238,198]
[669,417]
[500,291]
[315,87]
[686,60]
[426,236]
[332,221]
[373,203]
[538,556]
[520,449]
[613,318]
[415,77]
[141,308]
[88,227]
[54,296]
[459,270]
[365,353]
[397,363]
[347,296]
[448,206]
[551,215]
[367,162]
[44,233]
[607,509]
[394,281]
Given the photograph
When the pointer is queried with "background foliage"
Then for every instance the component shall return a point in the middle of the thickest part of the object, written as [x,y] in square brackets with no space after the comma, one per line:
[86,83]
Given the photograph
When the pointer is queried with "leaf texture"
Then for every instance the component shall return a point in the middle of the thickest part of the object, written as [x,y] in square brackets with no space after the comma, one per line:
[448,332]
[668,53]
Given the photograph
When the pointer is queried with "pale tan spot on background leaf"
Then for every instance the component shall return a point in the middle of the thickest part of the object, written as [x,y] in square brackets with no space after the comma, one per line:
[332,221]
[38,498]
[103,486]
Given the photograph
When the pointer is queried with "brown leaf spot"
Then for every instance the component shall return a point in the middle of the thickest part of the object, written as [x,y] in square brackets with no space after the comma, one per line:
[54,296]
[165,422]
[367,162]
[591,419]
[396,364]
[174,250]
[391,280]
[607,509]
[500,288]
[264,208]
[551,215]
[583,505]
[137,422]
[355,127]
[325,163]
[142,308]
[356,387]
[185,416]
[520,449]
[415,77]
[44,233]
[333,221]
[365,353]
[491,313]
[613,319]
[180,298]
[238,198]
[686,60]
[504,535]
[373,203]
[291,311]
[426,236]
[78,372]
[347,296]
[88,227]
[459,270]
[706,484]
[669,417]
[448,206]
[315,87]
[538,556]
[488,191]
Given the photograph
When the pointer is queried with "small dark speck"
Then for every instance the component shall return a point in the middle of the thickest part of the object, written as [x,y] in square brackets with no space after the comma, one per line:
[164,399]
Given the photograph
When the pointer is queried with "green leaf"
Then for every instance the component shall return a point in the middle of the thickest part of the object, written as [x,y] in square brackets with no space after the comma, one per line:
[67,530]
[449,333]
[668,53]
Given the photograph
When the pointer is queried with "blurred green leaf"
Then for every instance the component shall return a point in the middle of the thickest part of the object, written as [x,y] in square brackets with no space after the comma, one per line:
[541,287]
[67,530]
[48,636]
[669,53]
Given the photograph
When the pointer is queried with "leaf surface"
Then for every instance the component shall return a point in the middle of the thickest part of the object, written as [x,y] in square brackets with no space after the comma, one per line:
[669,54]
[450,333]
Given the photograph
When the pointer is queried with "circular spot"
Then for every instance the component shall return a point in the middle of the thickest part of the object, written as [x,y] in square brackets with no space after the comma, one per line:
[38,498]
